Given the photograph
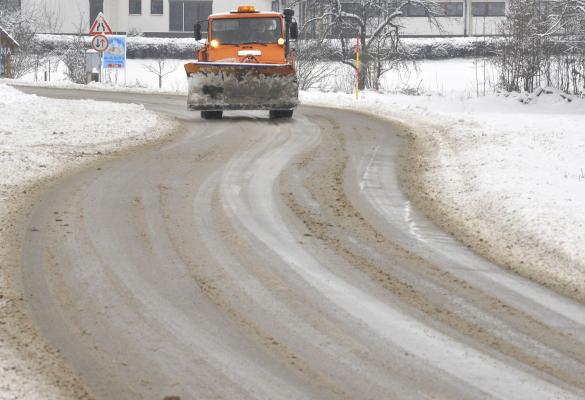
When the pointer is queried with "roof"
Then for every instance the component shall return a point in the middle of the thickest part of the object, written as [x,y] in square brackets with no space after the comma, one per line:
[14,42]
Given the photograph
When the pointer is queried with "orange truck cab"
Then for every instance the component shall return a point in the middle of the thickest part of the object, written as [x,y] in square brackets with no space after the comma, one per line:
[246,63]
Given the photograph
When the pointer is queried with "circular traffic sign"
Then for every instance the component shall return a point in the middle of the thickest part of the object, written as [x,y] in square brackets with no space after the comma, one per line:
[100,43]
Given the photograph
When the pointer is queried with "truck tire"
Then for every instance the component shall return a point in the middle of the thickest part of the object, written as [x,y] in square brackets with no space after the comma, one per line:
[211,114]
[281,114]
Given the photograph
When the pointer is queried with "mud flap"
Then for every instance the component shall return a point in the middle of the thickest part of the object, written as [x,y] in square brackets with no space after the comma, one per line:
[241,87]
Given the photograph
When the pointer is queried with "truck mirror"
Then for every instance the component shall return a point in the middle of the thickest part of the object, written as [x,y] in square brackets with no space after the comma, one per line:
[197,31]
[294,31]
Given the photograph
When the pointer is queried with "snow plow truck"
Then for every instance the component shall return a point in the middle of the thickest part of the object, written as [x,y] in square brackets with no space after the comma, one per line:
[246,63]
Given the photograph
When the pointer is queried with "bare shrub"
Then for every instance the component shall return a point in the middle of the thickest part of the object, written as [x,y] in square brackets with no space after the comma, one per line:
[160,68]
[543,46]
[344,79]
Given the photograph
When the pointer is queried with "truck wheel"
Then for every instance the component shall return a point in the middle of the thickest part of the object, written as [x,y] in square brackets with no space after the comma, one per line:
[211,114]
[281,114]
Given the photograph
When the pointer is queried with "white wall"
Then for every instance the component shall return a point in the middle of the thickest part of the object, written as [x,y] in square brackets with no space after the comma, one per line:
[220,6]
[478,26]
[485,25]
[145,22]
[421,26]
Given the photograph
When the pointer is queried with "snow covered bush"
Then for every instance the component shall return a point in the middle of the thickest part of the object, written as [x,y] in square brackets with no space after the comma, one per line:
[22,27]
[73,56]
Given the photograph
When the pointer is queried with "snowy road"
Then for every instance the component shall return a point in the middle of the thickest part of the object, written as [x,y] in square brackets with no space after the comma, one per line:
[259,259]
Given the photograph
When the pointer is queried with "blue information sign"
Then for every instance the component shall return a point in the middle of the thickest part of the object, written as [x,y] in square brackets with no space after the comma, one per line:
[115,55]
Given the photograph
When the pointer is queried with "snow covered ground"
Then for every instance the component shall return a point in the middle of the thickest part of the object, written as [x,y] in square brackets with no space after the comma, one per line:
[458,76]
[39,139]
[505,177]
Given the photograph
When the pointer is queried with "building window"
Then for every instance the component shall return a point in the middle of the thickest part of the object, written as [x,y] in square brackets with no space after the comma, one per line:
[2,63]
[275,6]
[415,10]
[95,7]
[482,9]
[184,14]
[156,7]
[135,7]
[452,9]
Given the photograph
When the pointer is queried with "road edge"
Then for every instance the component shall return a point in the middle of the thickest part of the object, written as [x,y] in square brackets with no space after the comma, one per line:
[38,361]
[416,156]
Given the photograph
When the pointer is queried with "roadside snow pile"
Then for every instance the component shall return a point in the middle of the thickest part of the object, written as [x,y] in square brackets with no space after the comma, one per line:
[37,134]
[42,138]
[503,176]
[136,87]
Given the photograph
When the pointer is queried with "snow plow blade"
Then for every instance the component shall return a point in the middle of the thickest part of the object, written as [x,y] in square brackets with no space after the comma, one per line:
[241,86]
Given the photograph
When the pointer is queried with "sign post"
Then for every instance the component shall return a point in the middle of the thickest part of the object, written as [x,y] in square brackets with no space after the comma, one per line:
[357,67]
[100,43]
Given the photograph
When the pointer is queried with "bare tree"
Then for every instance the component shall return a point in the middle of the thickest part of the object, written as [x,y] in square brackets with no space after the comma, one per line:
[521,56]
[313,67]
[161,69]
[543,44]
[374,25]
[50,18]
[567,26]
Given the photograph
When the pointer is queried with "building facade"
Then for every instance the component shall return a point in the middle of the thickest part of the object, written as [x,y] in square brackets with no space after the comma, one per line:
[137,16]
[460,18]
[176,17]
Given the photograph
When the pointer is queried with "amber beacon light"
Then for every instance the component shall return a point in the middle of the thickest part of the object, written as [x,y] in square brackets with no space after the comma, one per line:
[246,9]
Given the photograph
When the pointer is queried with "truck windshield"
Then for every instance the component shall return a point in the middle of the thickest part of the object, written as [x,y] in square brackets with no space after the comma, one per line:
[246,30]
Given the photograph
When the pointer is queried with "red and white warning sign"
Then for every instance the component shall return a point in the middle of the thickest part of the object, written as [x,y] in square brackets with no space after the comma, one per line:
[100,26]
[100,43]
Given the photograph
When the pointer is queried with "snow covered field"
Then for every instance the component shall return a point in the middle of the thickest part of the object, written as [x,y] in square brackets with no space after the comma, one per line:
[39,139]
[459,76]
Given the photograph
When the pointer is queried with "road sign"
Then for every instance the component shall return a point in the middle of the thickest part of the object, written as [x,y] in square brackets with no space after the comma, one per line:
[100,43]
[115,56]
[100,26]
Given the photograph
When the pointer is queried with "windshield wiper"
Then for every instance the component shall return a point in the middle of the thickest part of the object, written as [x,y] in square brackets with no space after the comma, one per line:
[263,44]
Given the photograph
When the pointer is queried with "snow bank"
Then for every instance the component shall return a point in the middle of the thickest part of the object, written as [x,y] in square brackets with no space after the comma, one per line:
[462,76]
[37,134]
[503,176]
[41,138]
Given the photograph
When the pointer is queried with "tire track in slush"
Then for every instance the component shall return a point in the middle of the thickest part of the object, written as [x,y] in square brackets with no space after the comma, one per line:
[149,235]
[264,221]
